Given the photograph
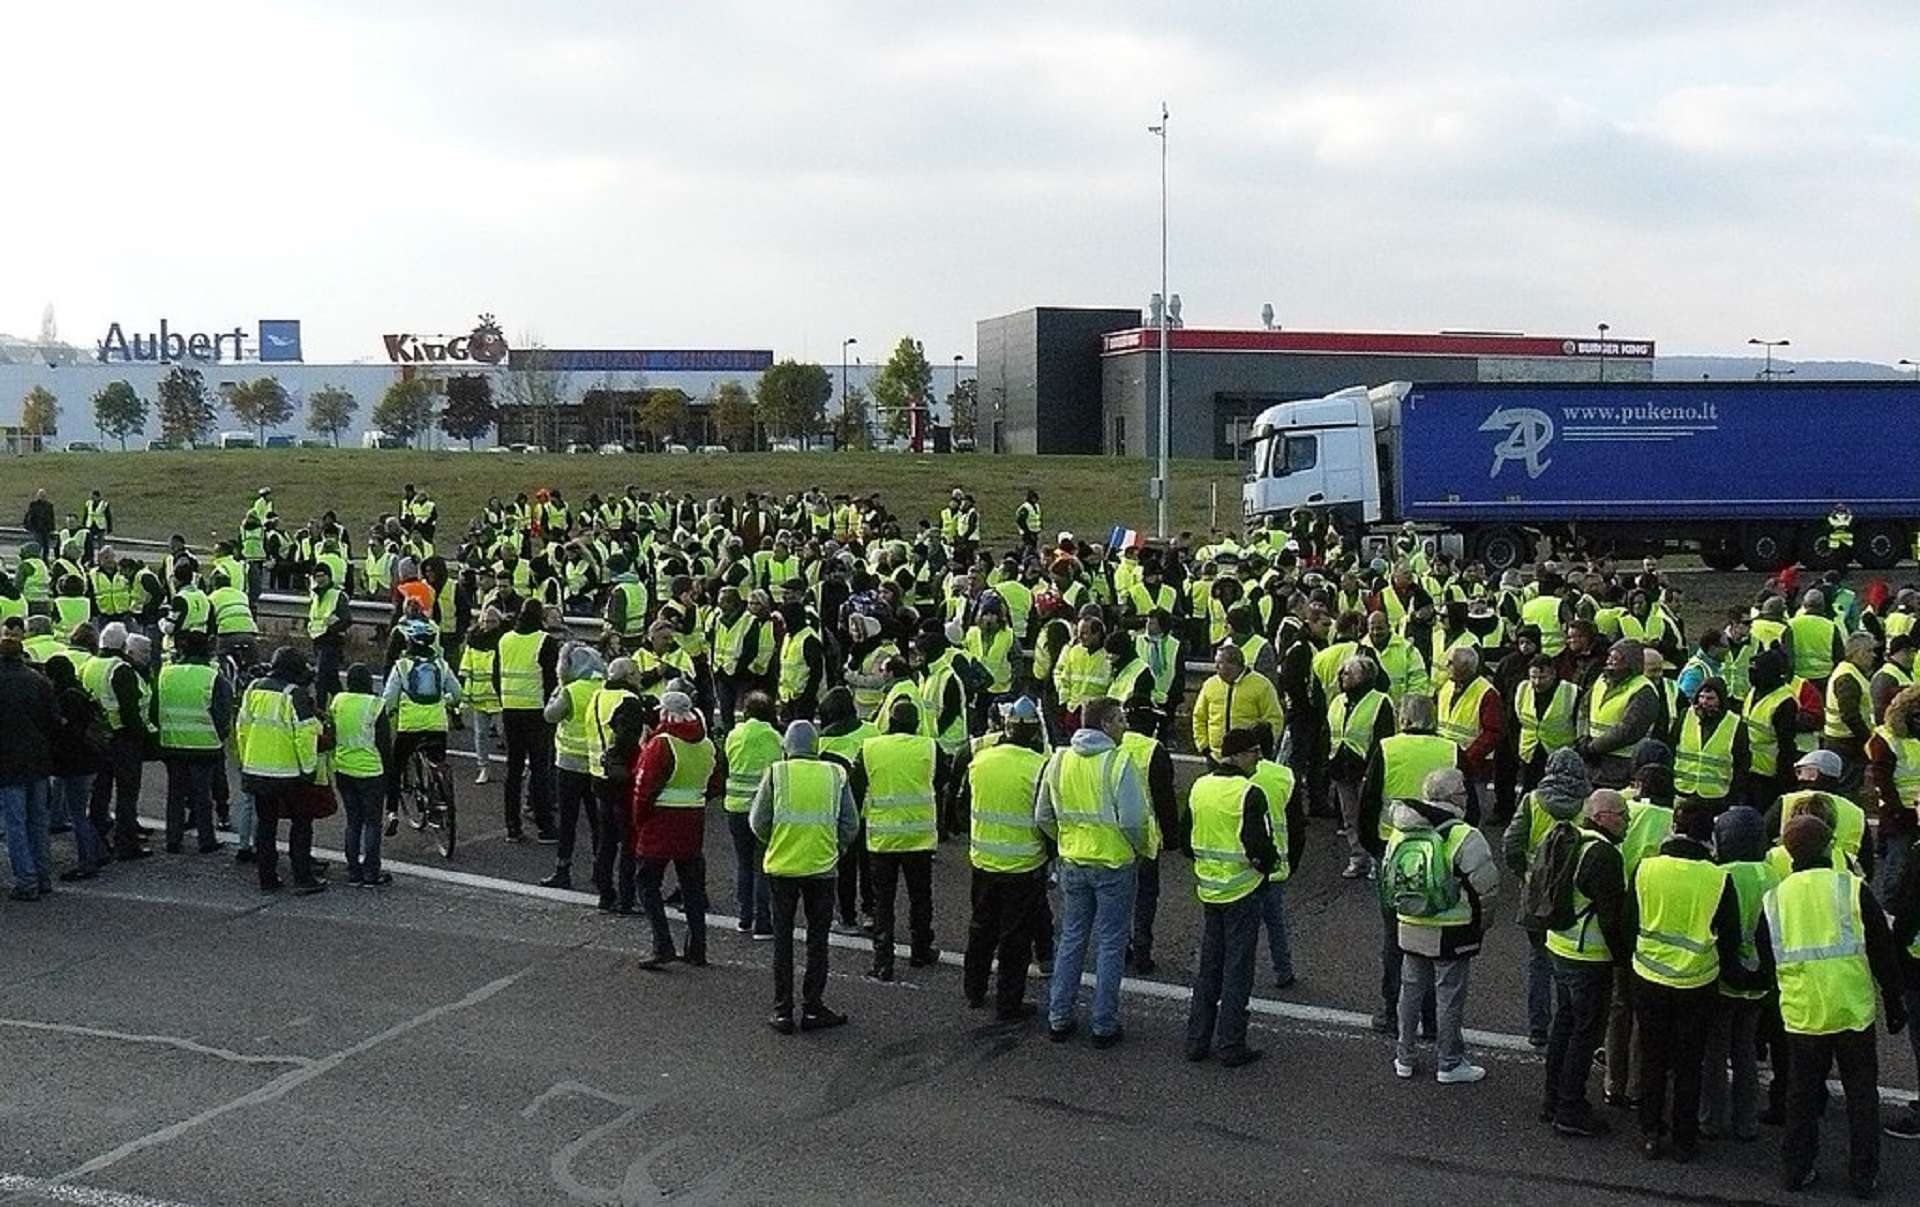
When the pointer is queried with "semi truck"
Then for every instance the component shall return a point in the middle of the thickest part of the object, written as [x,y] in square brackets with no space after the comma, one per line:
[1738,472]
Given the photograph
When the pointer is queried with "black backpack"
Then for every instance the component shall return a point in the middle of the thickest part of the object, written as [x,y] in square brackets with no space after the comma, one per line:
[1546,902]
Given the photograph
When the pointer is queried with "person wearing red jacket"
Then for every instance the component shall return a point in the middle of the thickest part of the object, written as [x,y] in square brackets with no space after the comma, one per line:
[674,776]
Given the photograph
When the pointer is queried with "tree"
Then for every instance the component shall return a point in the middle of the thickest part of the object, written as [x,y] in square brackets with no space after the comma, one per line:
[732,409]
[186,414]
[260,404]
[406,409]
[964,403]
[793,397]
[330,411]
[661,413]
[471,411]
[40,413]
[119,412]
[535,392]
[906,380]
[850,427]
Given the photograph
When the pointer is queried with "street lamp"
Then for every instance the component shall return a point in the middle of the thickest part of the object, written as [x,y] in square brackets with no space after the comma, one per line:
[846,413]
[1911,364]
[1604,328]
[1160,480]
[1767,374]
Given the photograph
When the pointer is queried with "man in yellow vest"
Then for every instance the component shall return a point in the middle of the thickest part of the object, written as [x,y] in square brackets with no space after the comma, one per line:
[1620,709]
[1583,957]
[1235,698]
[194,708]
[804,812]
[1824,938]
[1359,718]
[1092,805]
[751,746]
[1469,713]
[617,720]
[118,681]
[1008,855]
[1396,771]
[1689,935]
[361,730]
[567,710]
[1711,750]
[1233,848]
[676,773]
[277,738]
[897,778]
[1895,675]
[1849,707]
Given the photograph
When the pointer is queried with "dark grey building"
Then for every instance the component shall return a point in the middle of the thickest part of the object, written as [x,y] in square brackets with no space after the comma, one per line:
[1221,379]
[1040,378]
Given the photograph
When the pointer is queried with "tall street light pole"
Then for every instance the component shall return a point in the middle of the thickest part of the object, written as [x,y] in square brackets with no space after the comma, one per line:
[1767,373]
[846,413]
[1160,480]
[1604,328]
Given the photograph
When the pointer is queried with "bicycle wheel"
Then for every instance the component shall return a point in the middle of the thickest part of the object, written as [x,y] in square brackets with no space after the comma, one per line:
[446,816]
[415,791]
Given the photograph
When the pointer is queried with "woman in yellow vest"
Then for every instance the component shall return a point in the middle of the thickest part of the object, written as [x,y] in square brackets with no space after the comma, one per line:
[751,746]
[1233,847]
[673,778]
[568,711]
[361,730]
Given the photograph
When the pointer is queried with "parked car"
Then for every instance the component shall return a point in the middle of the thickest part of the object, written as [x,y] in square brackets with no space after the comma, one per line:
[376,438]
[280,442]
[577,448]
[82,446]
[162,446]
[678,448]
[237,440]
[612,449]
[712,449]
[310,443]
[784,446]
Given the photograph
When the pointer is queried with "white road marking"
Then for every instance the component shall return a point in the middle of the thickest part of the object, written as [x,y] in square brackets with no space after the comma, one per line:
[15,1185]
[169,1041]
[284,1084]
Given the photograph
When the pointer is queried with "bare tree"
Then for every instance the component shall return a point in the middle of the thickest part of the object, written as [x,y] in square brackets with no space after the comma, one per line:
[535,391]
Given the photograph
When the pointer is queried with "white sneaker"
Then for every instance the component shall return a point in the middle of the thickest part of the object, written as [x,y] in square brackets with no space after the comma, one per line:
[1460,1074]
[482,777]
[1403,1069]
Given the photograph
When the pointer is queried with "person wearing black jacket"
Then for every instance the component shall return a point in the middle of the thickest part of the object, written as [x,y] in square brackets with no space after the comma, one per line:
[1583,988]
[26,757]
[615,867]
[76,756]
[1810,1057]
[123,695]
[1904,919]
[1672,1023]
[1230,933]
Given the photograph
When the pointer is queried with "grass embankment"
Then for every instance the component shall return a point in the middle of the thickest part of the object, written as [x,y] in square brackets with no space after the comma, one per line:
[196,493]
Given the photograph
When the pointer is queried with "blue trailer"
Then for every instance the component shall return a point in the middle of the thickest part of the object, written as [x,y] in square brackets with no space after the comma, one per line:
[1737,471]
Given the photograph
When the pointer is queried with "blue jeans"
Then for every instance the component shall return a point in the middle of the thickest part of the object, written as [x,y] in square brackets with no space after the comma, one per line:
[752,897]
[242,816]
[74,791]
[1223,972]
[1096,906]
[363,800]
[24,806]
[1273,911]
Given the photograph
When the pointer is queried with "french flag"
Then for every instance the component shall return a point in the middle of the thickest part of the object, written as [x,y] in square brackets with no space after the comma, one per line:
[1123,538]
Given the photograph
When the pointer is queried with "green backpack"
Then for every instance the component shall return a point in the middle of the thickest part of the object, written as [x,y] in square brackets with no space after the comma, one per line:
[1418,880]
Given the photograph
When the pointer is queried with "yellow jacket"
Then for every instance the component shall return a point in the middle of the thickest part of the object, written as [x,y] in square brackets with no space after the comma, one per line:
[1221,707]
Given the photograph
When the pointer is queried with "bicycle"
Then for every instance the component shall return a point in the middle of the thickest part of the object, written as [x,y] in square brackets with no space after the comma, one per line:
[427,801]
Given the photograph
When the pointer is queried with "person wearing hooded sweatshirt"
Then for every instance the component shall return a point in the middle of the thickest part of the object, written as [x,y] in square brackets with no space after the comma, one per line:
[1620,709]
[1092,805]
[1732,1109]
[581,674]
[676,773]
[276,736]
[1436,951]
[1585,956]
[1561,795]
[118,681]
[1771,713]
[617,719]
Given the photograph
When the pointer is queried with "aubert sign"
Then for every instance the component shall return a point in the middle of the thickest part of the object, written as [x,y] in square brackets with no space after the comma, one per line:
[166,345]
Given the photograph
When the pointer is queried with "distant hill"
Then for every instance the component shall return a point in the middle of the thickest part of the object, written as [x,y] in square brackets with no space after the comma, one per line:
[1746,368]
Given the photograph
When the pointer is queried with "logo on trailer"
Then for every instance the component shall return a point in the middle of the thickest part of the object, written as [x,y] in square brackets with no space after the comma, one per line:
[1529,431]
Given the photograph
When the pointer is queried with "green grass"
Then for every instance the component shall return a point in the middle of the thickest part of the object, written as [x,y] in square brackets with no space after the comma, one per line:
[197,493]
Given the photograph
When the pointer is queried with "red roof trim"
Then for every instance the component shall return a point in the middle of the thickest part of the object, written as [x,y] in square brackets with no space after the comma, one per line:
[1367,343]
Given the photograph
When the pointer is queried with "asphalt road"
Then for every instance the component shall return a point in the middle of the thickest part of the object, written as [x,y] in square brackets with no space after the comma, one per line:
[170,1036]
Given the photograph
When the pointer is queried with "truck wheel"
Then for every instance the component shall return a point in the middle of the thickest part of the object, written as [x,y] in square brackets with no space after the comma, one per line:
[1721,553]
[1880,546]
[1769,547]
[1819,554]
[1502,549]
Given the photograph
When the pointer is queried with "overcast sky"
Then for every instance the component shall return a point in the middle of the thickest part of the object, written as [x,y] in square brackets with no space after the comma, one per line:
[781,175]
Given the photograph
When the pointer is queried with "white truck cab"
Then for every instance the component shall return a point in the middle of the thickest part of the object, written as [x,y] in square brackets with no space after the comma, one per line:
[1325,453]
